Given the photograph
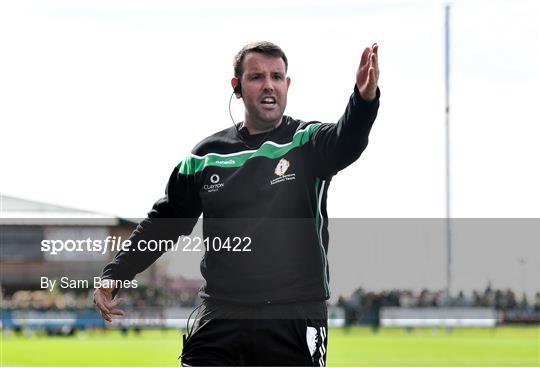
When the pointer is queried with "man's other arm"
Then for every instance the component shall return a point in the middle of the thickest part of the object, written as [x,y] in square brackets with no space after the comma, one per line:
[173,215]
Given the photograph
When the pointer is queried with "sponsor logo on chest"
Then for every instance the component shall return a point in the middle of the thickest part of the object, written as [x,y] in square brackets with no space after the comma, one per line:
[214,185]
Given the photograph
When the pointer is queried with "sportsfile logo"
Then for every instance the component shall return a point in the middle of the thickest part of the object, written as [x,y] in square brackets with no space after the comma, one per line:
[214,185]
[280,170]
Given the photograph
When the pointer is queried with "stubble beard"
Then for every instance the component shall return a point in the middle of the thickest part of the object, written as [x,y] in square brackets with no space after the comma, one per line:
[262,121]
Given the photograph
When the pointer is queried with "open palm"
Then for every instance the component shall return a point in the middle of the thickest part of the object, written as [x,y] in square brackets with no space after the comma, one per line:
[367,74]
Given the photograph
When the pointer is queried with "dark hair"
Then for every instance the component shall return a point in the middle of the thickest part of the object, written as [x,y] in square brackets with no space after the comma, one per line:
[261,47]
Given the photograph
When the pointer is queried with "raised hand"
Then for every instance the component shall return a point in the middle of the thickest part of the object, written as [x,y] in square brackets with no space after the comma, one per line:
[367,74]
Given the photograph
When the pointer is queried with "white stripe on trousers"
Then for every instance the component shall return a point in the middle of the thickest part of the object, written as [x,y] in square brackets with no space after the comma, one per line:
[322,350]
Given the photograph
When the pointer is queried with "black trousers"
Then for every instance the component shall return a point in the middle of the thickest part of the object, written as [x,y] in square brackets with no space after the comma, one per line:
[292,334]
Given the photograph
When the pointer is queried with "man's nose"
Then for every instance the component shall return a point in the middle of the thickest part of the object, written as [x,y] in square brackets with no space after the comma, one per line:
[268,84]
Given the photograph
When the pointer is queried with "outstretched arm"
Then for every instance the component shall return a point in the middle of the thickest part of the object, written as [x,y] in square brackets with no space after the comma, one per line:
[335,146]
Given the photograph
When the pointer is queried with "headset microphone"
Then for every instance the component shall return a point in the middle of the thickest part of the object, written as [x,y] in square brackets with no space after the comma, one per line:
[238,91]
[238,88]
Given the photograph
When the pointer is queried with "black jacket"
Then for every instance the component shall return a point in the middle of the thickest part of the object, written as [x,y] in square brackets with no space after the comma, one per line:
[268,190]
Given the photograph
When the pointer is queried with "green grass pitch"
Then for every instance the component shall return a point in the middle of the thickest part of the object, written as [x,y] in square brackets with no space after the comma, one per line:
[502,346]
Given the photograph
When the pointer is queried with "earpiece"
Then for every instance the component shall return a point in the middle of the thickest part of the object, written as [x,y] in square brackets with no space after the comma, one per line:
[238,87]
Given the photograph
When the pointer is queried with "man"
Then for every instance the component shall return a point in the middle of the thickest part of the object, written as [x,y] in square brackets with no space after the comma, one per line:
[263,185]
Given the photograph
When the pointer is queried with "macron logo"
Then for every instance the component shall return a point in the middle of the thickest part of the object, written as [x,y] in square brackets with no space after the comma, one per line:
[227,162]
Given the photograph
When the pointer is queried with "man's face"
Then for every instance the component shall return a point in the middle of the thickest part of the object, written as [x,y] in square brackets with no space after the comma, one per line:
[264,90]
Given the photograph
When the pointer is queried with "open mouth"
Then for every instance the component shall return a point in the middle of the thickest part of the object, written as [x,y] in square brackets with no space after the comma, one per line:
[269,101]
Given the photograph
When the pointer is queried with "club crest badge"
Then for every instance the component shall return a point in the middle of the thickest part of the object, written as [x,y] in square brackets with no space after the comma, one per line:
[282,167]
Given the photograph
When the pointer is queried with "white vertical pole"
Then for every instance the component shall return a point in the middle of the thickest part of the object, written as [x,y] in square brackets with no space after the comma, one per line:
[447,135]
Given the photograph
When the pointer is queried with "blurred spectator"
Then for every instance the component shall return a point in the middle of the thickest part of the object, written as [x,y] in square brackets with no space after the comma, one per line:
[360,307]
[171,293]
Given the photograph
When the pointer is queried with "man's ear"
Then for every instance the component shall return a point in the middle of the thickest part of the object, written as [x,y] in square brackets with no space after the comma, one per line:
[237,88]
[288,82]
